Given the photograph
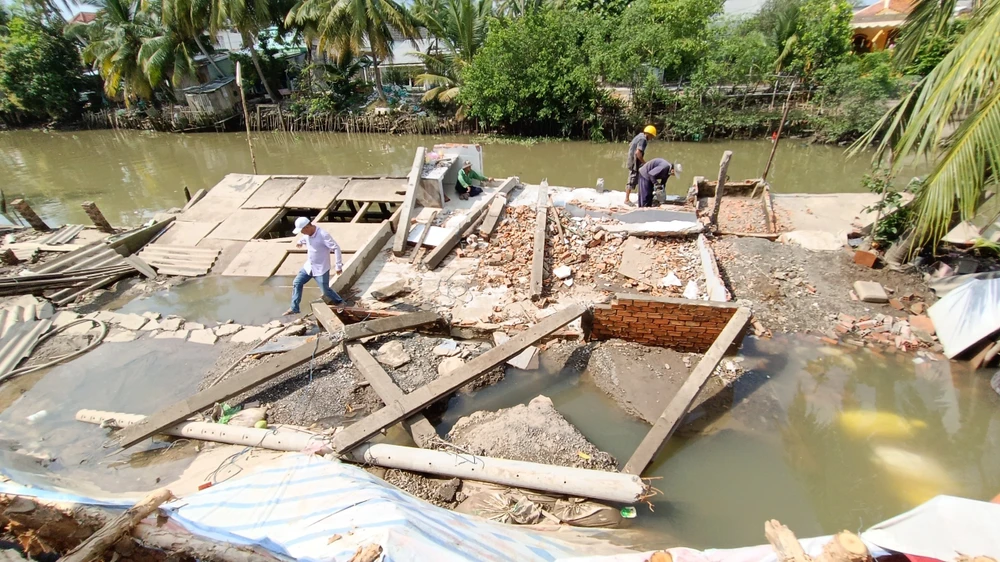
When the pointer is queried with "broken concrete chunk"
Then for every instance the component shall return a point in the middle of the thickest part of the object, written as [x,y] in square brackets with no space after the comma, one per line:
[392,354]
[64,317]
[121,337]
[227,329]
[133,321]
[390,291]
[192,326]
[447,490]
[45,310]
[527,360]
[563,272]
[171,324]
[206,337]
[671,280]
[250,334]
[449,364]
[152,315]
[274,324]
[870,291]
[691,291]
[918,308]
[175,334]
[447,348]
[500,338]
[293,330]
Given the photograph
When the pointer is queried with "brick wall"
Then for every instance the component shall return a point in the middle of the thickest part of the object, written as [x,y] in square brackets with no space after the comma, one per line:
[679,324]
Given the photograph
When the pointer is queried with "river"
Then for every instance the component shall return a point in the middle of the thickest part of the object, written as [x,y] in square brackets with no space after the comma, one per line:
[133,174]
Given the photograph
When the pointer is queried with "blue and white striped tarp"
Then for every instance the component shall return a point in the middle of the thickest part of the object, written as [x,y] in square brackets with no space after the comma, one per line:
[297,505]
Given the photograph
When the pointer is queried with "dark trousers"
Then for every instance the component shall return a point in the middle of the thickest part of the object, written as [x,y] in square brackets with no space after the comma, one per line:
[473,190]
[645,191]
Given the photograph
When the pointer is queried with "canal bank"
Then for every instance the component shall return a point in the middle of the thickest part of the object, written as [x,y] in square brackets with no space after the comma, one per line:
[457,288]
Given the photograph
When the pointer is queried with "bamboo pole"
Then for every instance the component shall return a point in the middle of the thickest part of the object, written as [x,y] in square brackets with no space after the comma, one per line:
[246,116]
[781,125]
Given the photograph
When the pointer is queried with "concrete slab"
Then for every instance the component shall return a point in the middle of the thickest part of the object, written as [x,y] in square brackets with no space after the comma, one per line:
[193,326]
[527,360]
[250,334]
[133,321]
[151,326]
[831,212]
[121,336]
[870,291]
[206,337]
[171,324]
[227,329]
[64,317]
[176,335]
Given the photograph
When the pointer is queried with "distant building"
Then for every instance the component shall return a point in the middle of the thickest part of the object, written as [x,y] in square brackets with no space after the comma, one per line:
[206,73]
[84,17]
[876,27]
[214,98]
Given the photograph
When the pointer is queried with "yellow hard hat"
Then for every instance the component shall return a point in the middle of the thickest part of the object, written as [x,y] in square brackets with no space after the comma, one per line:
[650,130]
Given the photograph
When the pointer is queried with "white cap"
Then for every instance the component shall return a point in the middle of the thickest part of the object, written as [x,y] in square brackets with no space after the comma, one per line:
[300,223]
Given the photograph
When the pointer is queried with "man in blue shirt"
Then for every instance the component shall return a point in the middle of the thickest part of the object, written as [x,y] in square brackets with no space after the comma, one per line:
[652,172]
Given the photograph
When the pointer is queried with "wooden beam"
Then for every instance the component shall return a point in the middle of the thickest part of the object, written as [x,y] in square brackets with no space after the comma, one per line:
[493,217]
[720,188]
[538,256]
[420,429]
[362,259]
[418,249]
[391,324]
[679,404]
[362,211]
[433,391]
[234,386]
[409,203]
[437,255]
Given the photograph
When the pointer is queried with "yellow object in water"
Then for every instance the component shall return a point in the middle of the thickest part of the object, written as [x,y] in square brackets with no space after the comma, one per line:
[914,478]
[869,423]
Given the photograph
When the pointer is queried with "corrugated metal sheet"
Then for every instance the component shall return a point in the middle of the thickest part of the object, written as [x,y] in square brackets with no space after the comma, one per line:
[62,236]
[19,341]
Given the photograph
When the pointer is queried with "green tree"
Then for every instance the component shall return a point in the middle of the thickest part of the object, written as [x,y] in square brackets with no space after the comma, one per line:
[602,8]
[190,19]
[533,75]
[40,73]
[460,26]
[824,35]
[962,88]
[362,27]
[249,18]
[935,48]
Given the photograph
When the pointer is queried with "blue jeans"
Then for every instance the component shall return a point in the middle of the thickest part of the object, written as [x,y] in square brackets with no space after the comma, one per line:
[324,284]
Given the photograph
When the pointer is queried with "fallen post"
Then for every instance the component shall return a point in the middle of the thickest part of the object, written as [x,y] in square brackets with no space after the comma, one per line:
[720,187]
[25,210]
[419,428]
[493,217]
[451,381]
[437,255]
[418,250]
[538,256]
[362,259]
[679,404]
[412,185]
[268,370]
[392,324]
[97,217]
[94,547]
[578,482]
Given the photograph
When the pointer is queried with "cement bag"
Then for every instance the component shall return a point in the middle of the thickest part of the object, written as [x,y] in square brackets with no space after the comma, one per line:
[502,507]
[248,417]
[585,513]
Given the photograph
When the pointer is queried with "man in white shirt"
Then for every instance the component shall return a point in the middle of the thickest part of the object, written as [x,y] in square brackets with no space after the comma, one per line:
[318,245]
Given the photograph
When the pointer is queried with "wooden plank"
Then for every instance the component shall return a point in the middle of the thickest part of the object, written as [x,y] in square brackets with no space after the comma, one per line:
[420,429]
[245,224]
[374,190]
[420,398]
[423,236]
[493,217]
[679,404]
[538,255]
[275,192]
[237,384]
[185,233]
[198,196]
[223,199]
[386,325]
[257,259]
[328,319]
[362,211]
[318,192]
[362,259]
[409,202]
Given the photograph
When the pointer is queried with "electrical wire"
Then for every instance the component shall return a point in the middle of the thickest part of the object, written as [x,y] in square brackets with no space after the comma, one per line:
[25,370]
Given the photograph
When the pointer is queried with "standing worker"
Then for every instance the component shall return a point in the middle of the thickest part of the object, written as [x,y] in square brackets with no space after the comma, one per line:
[318,245]
[636,158]
[652,172]
[465,187]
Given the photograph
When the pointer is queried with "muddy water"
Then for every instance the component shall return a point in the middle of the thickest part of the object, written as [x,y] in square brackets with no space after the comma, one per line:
[131,174]
[792,445]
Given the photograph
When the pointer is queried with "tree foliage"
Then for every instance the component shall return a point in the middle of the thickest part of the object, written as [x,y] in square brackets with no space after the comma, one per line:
[40,73]
[824,34]
[532,75]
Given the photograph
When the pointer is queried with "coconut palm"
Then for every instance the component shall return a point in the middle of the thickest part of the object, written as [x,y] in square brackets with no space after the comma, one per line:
[461,26]
[363,27]
[786,33]
[963,90]
[248,17]
[518,8]
[190,19]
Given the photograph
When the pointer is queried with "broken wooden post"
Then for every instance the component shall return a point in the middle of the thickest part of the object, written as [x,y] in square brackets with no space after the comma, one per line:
[420,398]
[108,535]
[419,428]
[97,217]
[268,370]
[187,194]
[409,203]
[720,187]
[198,195]
[845,546]
[777,137]
[538,256]
[246,116]
[8,257]
[786,546]
[25,210]
[679,404]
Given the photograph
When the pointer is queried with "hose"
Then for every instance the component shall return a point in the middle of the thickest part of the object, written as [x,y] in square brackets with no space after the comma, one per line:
[25,370]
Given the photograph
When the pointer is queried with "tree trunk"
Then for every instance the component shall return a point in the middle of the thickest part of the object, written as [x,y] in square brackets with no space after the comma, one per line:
[92,548]
[201,47]
[271,92]
[378,79]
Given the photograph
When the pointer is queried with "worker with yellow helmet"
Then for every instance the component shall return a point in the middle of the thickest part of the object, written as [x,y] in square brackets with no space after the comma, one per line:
[636,158]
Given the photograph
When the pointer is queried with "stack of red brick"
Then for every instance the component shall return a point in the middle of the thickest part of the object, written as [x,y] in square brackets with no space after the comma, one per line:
[680,324]
[914,332]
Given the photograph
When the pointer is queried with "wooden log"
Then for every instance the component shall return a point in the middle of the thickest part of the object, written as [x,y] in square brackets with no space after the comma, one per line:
[420,398]
[391,324]
[720,187]
[785,545]
[678,406]
[538,255]
[777,138]
[845,546]
[420,429]
[187,194]
[94,547]
[25,210]
[409,202]
[262,373]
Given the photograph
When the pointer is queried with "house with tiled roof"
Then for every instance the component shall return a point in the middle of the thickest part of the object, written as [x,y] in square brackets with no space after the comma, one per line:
[877,26]
[84,17]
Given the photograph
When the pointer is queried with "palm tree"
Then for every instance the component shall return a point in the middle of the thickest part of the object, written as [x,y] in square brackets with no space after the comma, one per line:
[962,89]
[461,26]
[786,33]
[248,17]
[356,26]
[518,8]
[190,19]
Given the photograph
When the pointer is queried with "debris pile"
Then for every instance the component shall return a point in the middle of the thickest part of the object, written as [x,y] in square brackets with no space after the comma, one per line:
[907,334]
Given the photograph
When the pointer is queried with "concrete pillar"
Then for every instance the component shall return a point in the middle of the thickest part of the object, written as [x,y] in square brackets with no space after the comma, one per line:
[25,210]
[97,217]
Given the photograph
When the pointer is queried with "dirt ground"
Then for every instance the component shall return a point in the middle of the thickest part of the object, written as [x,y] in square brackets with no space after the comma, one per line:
[792,289]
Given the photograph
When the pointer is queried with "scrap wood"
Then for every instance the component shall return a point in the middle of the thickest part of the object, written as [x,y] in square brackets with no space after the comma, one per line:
[785,545]
[389,324]
[418,249]
[437,255]
[94,547]
[420,398]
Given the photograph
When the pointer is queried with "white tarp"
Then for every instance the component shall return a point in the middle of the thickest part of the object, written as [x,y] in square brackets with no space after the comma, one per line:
[942,528]
[966,315]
